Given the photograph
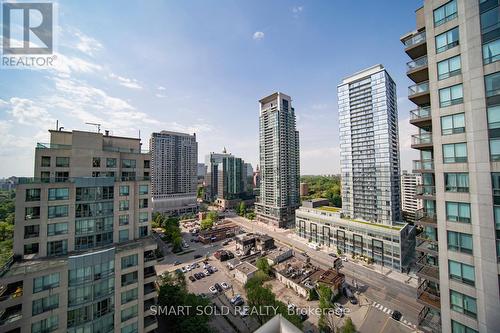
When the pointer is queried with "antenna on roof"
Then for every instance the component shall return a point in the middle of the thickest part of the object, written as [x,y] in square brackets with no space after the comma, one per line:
[96,125]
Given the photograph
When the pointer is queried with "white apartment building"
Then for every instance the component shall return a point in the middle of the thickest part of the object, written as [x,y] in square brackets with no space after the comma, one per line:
[411,189]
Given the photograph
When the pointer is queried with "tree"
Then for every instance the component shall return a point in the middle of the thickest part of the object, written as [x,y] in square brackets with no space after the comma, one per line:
[206,224]
[250,216]
[241,209]
[177,244]
[213,215]
[325,297]
[200,192]
[348,326]
[263,265]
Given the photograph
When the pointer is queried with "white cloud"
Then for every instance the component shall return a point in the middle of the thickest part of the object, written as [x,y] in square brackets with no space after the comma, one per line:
[297,9]
[161,88]
[258,35]
[126,82]
[65,65]
[28,112]
[86,44]
[160,95]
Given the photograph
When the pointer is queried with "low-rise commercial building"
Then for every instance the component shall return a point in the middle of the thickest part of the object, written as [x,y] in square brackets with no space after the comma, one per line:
[388,245]
[244,272]
[279,255]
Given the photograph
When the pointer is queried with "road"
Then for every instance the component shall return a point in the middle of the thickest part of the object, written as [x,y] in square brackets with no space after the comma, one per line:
[392,294]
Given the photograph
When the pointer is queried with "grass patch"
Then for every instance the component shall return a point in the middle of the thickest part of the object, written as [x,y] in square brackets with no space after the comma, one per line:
[330,209]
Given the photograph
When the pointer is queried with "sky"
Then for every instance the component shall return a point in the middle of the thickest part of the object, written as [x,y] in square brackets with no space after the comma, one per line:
[200,67]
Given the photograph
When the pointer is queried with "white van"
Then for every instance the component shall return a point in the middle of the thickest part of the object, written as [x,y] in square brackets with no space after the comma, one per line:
[313,246]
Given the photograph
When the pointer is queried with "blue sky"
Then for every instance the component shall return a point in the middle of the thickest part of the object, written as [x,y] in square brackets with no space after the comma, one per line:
[202,66]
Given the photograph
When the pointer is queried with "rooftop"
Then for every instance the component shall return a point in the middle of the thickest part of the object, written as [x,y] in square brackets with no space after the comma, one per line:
[330,209]
[362,74]
[246,268]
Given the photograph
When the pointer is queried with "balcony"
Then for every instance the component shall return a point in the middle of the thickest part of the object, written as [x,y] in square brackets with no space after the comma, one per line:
[421,117]
[427,245]
[427,270]
[425,218]
[153,255]
[429,320]
[425,191]
[422,141]
[149,272]
[421,166]
[11,314]
[429,295]
[149,323]
[11,291]
[149,288]
[148,304]
[416,45]
[419,93]
[43,145]
[417,69]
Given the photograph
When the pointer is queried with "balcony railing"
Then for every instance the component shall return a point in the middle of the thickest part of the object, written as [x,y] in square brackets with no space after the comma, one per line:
[415,39]
[423,165]
[43,145]
[427,190]
[429,295]
[427,245]
[423,112]
[426,269]
[425,215]
[420,139]
[418,88]
[417,63]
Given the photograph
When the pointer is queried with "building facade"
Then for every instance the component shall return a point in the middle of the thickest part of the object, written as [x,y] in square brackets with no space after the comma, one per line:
[390,246]
[455,76]
[226,177]
[174,172]
[369,147]
[83,255]
[279,162]
[411,188]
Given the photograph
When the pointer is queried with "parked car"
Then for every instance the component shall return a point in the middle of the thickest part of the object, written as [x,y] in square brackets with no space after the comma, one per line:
[198,256]
[396,315]
[177,262]
[213,290]
[244,312]
[207,273]
[303,316]
[191,278]
[235,298]
[239,302]
[214,269]
[224,285]
[291,306]
[353,300]
[344,258]
[332,255]
[183,269]
[218,287]
[225,243]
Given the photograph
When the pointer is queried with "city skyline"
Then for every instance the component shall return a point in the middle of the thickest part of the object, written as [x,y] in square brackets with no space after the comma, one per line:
[118,86]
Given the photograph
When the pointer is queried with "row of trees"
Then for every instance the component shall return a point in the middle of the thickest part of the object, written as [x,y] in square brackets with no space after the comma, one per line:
[171,229]
[327,187]
[7,208]
[209,221]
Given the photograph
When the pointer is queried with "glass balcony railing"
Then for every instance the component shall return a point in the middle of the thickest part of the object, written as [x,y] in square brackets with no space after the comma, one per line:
[42,145]
[417,63]
[418,88]
[420,113]
[427,190]
[425,165]
[420,139]
[415,39]
[425,215]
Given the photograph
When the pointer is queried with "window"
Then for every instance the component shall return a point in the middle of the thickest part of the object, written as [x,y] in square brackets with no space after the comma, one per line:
[46,282]
[451,95]
[124,205]
[449,67]
[463,303]
[54,229]
[31,213]
[491,51]
[62,176]
[455,153]
[62,162]
[143,217]
[128,163]
[45,176]
[453,124]
[132,328]
[143,203]
[492,83]
[57,248]
[143,231]
[129,295]
[461,272]
[94,193]
[129,278]
[129,313]
[124,190]
[447,40]
[456,182]
[495,186]
[493,117]
[58,211]
[123,235]
[45,161]
[128,175]
[58,194]
[32,194]
[96,162]
[458,211]
[495,149]
[146,164]
[445,13]
[129,261]
[31,231]
[45,304]
[456,327]
[143,189]
[459,242]
[123,219]
[111,163]
[30,248]
[94,209]
[46,325]
[490,20]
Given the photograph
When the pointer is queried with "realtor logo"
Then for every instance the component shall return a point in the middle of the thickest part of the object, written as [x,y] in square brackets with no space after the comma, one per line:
[36,28]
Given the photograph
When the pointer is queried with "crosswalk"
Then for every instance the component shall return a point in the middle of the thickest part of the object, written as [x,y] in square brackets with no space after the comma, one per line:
[389,312]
